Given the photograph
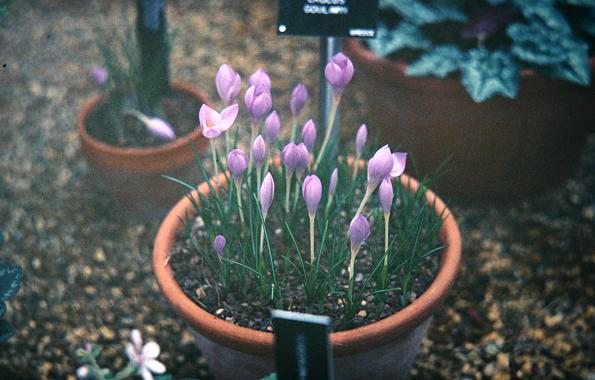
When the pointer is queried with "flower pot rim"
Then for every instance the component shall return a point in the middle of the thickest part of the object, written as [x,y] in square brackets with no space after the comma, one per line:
[95,100]
[344,342]
[361,52]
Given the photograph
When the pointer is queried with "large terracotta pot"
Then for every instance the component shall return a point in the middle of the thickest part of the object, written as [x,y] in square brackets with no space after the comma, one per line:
[501,148]
[134,175]
[381,350]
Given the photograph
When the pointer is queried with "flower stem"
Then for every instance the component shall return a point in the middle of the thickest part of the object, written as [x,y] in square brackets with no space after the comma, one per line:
[355,167]
[227,140]
[385,268]
[261,247]
[253,130]
[329,129]
[239,198]
[312,217]
[287,191]
[329,201]
[296,191]
[367,196]
[214,153]
[354,251]
[294,123]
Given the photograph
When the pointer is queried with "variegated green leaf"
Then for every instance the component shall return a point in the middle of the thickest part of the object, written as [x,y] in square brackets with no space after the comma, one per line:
[532,43]
[405,35]
[544,12]
[439,62]
[419,13]
[485,74]
[576,66]
[10,280]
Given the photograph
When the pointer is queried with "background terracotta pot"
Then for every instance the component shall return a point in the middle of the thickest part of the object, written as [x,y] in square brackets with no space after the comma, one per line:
[134,175]
[382,350]
[501,148]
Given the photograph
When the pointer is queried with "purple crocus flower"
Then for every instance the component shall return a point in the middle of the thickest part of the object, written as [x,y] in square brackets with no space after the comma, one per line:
[360,139]
[213,123]
[237,161]
[160,128]
[99,75]
[333,182]
[385,195]
[258,101]
[309,134]
[359,230]
[312,193]
[219,245]
[338,72]
[228,84]
[267,193]
[260,77]
[304,159]
[291,157]
[272,124]
[385,164]
[299,98]
[258,151]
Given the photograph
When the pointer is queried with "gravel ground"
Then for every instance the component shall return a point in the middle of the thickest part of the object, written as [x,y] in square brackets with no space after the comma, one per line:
[522,305]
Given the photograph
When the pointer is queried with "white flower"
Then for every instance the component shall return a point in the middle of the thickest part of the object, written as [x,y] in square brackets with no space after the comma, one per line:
[144,357]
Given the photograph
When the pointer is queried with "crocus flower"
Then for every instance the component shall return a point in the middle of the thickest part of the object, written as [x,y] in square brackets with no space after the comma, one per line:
[258,151]
[290,157]
[267,192]
[228,84]
[385,164]
[338,72]
[272,124]
[258,101]
[309,134]
[312,193]
[299,98]
[237,161]
[385,195]
[213,123]
[304,159]
[82,372]
[219,245]
[360,139]
[99,75]
[160,128]
[260,77]
[144,357]
[359,230]
[333,182]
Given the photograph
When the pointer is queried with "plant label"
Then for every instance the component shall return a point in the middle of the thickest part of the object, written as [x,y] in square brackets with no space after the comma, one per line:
[302,346]
[330,18]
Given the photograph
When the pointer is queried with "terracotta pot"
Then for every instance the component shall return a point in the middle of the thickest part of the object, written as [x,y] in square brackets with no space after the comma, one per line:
[134,175]
[501,148]
[381,350]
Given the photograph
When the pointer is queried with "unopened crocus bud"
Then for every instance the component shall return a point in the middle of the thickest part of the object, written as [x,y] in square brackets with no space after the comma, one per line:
[272,124]
[258,151]
[258,101]
[304,159]
[385,195]
[160,128]
[312,193]
[309,134]
[82,373]
[290,157]
[338,72]
[267,193]
[228,84]
[299,98]
[213,123]
[360,139]
[99,75]
[259,77]
[359,230]
[219,245]
[237,161]
[333,182]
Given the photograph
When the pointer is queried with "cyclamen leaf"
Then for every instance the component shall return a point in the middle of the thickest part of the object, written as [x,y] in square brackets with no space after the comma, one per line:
[10,280]
[576,66]
[581,3]
[544,12]
[419,13]
[439,62]
[485,74]
[6,330]
[405,35]
[535,44]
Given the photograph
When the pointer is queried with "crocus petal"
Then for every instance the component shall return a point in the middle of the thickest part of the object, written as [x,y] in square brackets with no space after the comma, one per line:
[385,195]
[151,350]
[155,366]
[312,193]
[228,116]
[136,339]
[360,139]
[211,133]
[399,163]
[161,129]
[145,373]
[309,134]
[272,124]
[299,97]
[219,245]
[380,166]
[267,193]
[237,161]
[259,78]
[359,230]
[130,352]
[258,150]
[333,182]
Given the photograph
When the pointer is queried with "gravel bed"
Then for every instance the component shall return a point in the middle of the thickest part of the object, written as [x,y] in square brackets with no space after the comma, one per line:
[522,306]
